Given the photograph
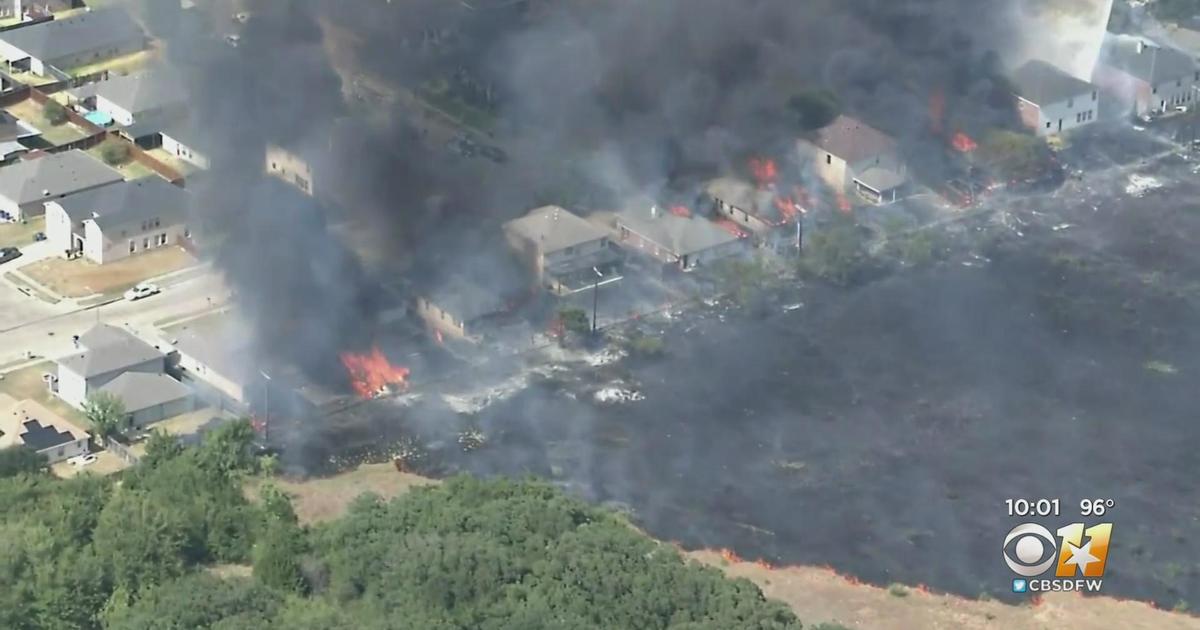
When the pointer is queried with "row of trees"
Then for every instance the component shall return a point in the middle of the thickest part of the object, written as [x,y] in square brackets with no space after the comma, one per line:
[93,553]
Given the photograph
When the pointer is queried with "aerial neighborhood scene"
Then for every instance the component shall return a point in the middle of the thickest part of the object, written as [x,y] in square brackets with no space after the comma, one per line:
[685,314]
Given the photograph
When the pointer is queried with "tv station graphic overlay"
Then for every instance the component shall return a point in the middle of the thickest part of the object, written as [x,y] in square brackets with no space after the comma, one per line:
[1073,557]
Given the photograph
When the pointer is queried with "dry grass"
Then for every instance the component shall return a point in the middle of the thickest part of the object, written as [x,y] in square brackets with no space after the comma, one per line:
[81,278]
[819,595]
[27,383]
[129,169]
[34,113]
[182,167]
[20,233]
[107,463]
[327,498]
[124,64]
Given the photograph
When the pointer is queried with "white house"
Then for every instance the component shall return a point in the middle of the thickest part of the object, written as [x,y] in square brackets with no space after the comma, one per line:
[82,39]
[1150,78]
[675,238]
[118,221]
[556,244]
[221,362]
[113,360]
[26,185]
[30,424]
[850,155]
[142,97]
[1050,101]
[179,140]
[290,167]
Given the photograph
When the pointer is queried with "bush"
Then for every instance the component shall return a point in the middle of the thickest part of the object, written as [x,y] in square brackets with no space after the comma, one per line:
[55,113]
[575,320]
[835,253]
[646,346]
[115,153]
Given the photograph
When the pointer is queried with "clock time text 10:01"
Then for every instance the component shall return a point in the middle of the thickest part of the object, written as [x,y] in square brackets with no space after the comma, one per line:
[1032,507]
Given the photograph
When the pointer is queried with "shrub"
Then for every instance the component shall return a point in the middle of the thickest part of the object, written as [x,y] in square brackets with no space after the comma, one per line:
[55,113]
[115,153]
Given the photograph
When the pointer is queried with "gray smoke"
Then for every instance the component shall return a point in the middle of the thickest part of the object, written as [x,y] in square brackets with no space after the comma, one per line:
[599,101]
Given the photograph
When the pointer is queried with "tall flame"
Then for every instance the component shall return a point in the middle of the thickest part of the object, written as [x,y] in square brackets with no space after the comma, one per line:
[963,143]
[843,203]
[372,375]
[764,171]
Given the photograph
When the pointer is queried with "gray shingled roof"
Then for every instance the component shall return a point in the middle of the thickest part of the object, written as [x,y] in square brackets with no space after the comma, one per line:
[681,235]
[853,140]
[144,91]
[108,349]
[82,32]
[554,228]
[139,390]
[1043,83]
[1154,64]
[58,173]
[129,203]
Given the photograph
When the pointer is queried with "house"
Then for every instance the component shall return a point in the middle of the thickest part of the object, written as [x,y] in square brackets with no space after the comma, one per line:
[675,238]
[30,424]
[556,245]
[148,96]
[756,209]
[290,167]
[115,222]
[1050,101]
[220,363]
[468,289]
[26,9]
[79,40]
[178,139]
[1150,78]
[850,155]
[27,185]
[111,359]
[460,307]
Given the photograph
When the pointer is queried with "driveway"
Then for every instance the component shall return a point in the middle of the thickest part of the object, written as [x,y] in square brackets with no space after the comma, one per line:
[18,304]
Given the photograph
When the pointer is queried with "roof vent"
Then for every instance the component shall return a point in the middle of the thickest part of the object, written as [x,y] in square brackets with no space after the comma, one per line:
[45,193]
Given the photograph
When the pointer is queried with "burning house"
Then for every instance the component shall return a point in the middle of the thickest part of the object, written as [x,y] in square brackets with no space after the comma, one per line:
[770,217]
[467,297]
[850,155]
[559,248]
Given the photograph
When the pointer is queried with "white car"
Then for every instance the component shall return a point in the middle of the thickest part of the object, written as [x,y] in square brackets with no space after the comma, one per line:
[83,460]
[143,290]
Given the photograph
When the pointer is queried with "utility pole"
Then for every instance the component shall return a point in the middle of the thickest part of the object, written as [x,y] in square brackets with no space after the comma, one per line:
[267,410]
[595,298]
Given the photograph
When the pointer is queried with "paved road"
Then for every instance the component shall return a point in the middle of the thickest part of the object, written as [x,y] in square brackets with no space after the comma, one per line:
[50,336]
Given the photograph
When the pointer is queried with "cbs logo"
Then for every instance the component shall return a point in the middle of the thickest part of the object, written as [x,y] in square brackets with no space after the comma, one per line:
[1030,549]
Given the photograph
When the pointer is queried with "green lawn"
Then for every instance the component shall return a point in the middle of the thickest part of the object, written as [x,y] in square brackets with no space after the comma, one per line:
[21,234]
[132,169]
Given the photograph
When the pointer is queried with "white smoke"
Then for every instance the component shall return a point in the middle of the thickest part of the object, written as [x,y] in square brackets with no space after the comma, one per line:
[1066,33]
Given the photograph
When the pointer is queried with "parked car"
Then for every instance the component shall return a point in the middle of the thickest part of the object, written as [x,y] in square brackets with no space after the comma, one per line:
[143,290]
[80,461]
[39,236]
[9,253]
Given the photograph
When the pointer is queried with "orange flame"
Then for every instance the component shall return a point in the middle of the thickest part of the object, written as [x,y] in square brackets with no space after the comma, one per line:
[788,208]
[963,143]
[681,211]
[763,564]
[764,171]
[730,226]
[371,374]
[843,203]
[728,556]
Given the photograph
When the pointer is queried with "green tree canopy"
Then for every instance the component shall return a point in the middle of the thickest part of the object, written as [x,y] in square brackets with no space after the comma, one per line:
[106,412]
[21,460]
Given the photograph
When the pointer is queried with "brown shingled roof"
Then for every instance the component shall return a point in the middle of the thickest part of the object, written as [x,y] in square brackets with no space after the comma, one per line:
[853,140]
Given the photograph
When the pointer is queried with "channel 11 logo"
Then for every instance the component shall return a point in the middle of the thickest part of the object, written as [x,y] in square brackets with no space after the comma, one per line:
[1030,550]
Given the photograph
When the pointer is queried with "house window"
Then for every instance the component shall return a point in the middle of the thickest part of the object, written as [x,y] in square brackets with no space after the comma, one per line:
[146,243]
[570,251]
[1178,82]
[1154,90]
[60,451]
[132,246]
[1047,125]
[828,158]
[1070,102]
[156,222]
[1094,95]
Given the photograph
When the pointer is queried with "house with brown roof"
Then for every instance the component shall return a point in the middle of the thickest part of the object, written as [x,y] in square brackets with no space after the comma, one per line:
[557,245]
[769,217]
[850,155]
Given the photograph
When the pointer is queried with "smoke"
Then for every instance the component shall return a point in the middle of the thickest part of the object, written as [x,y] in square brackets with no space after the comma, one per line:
[598,102]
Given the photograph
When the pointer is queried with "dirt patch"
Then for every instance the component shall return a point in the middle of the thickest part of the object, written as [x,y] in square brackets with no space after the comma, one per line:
[34,113]
[27,383]
[79,278]
[107,463]
[20,233]
[326,498]
[819,595]
[128,167]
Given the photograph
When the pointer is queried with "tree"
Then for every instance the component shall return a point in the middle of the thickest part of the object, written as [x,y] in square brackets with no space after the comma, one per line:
[1016,156]
[575,320]
[115,152]
[21,460]
[106,412]
[837,252]
[55,113]
[160,447]
[228,448]
[142,541]
[199,601]
[813,109]
[742,279]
